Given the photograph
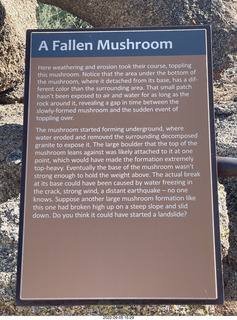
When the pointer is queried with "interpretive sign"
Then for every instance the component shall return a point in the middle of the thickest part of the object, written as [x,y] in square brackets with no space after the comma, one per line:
[119,195]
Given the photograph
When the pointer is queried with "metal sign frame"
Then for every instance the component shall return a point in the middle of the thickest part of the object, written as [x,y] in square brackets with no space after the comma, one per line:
[31,52]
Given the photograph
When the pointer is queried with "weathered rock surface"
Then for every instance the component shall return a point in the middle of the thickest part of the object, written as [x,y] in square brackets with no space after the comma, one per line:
[13,95]
[222,15]
[10,166]
[15,18]
[11,121]
[225,95]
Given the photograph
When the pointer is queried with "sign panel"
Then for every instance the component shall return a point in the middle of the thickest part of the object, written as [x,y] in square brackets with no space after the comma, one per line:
[119,198]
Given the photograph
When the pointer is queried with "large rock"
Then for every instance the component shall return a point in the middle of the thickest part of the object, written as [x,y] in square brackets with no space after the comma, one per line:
[15,18]
[10,161]
[222,15]
[11,121]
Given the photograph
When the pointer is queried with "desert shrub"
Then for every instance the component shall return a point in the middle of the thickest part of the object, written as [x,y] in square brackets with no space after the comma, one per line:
[51,17]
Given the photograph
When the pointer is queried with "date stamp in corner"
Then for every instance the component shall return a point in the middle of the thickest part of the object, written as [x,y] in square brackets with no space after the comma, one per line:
[118,317]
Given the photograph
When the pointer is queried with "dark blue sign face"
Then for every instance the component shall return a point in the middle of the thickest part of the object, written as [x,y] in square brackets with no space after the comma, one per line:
[118,43]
